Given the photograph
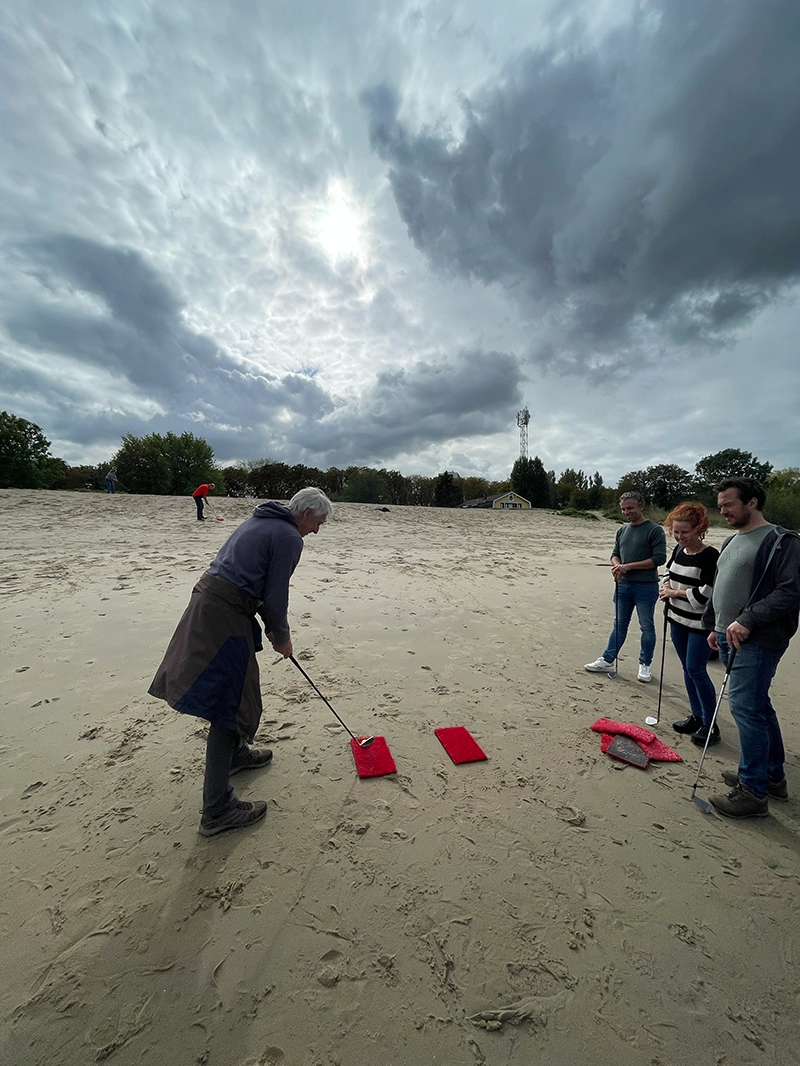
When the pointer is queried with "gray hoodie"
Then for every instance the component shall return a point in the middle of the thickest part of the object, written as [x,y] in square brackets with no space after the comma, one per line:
[259,558]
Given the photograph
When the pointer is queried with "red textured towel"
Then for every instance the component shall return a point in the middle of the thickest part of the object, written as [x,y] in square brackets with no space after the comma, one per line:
[657,750]
[460,744]
[374,761]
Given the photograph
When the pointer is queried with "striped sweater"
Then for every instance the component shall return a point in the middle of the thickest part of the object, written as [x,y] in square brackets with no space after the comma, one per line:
[693,574]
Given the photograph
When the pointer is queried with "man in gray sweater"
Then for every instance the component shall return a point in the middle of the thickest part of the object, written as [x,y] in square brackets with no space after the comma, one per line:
[752,616]
[639,549]
[210,667]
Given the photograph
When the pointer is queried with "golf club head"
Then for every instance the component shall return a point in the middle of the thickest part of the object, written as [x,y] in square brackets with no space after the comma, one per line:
[704,805]
[364,742]
[650,720]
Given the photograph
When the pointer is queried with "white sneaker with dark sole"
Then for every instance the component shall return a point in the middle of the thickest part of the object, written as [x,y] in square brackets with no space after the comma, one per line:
[599,666]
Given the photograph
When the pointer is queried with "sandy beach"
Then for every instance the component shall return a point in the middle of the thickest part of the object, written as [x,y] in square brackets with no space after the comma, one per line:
[549,906]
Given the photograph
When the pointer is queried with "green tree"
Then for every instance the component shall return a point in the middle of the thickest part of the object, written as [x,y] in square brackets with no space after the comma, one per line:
[571,489]
[783,498]
[731,462]
[420,490]
[668,484]
[475,488]
[365,486]
[530,479]
[24,454]
[663,485]
[166,465]
[447,491]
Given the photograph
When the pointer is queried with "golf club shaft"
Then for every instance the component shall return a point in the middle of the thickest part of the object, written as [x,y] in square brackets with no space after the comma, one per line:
[663,656]
[616,630]
[308,679]
[731,657]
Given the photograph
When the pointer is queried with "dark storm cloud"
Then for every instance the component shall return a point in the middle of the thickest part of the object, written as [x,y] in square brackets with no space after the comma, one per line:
[135,331]
[639,191]
[430,402]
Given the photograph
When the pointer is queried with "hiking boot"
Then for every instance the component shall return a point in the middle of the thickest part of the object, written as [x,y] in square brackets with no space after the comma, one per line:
[740,803]
[688,725]
[644,673]
[254,759]
[238,817]
[777,789]
[599,666]
[700,735]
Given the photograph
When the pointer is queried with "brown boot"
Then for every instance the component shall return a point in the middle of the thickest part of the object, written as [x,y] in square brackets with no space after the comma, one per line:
[740,803]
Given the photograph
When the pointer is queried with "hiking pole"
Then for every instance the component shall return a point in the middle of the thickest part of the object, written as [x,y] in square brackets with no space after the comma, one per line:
[616,632]
[363,742]
[704,805]
[649,720]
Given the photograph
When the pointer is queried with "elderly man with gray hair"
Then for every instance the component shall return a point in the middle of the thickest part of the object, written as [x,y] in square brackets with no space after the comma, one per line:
[639,549]
[210,669]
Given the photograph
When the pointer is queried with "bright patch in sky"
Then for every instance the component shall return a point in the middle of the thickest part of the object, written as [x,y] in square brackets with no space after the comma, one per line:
[342,229]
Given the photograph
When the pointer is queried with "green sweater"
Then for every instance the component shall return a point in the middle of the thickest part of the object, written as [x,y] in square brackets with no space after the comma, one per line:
[635,543]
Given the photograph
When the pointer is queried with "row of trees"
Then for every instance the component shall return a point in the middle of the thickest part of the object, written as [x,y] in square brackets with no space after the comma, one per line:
[175,465]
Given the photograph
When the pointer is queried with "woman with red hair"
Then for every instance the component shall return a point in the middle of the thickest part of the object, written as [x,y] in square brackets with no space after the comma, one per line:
[687,590]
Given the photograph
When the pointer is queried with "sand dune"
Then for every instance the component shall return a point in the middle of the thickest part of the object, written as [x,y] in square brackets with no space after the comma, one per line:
[548,906]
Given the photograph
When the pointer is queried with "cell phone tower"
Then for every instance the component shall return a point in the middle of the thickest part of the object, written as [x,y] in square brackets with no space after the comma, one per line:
[523,418]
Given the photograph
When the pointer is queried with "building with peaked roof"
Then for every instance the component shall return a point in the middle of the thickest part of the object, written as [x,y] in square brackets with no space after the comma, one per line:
[505,501]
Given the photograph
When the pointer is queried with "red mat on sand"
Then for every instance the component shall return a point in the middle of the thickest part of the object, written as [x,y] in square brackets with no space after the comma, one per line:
[656,749]
[460,744]
[374,761]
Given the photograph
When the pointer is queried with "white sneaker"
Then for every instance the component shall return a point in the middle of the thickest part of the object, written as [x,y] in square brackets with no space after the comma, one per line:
[644,673]
[598,666]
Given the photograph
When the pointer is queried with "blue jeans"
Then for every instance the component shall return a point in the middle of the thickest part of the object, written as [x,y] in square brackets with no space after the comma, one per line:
[760,737]
[693,651]
[643,596]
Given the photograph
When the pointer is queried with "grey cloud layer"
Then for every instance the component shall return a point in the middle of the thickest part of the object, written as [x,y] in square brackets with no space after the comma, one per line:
[637,192]
[603,195]
[137,332]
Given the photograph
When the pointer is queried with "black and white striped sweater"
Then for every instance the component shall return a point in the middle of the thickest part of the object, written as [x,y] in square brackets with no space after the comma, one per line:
[693,574]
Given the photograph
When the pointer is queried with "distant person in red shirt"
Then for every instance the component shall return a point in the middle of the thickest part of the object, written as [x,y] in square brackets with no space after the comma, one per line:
[200,495]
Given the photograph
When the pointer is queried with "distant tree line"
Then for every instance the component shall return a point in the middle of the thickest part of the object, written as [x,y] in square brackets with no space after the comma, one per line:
[174,465]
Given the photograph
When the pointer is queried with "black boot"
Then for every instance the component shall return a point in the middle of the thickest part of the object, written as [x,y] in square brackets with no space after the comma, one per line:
[700,736]
[688,725]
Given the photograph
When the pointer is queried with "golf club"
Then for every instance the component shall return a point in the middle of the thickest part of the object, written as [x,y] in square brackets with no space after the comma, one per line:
[650,720]
[704,805]
[616,634]
[213,512]
[363,742]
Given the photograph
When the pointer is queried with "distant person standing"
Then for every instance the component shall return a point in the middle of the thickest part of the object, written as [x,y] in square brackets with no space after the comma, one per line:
[687,589]
[200,496]
[111,478]
[640,548]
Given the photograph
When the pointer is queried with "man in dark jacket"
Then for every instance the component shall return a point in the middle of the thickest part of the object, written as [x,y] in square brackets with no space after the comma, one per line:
[753,614]
[210,668]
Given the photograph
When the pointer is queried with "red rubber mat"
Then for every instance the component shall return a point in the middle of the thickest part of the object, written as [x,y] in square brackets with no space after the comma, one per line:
[374,761]
[460,744]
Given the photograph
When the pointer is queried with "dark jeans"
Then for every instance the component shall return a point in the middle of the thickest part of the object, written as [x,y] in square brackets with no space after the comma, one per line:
[222,749]
[199,501]
[693,651]
[629,594]
[760,737]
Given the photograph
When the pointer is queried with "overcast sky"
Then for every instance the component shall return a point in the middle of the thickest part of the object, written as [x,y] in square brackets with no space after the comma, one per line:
[365,232]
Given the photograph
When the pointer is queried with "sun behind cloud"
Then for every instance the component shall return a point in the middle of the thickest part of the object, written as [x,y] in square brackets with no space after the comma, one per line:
[343,225]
